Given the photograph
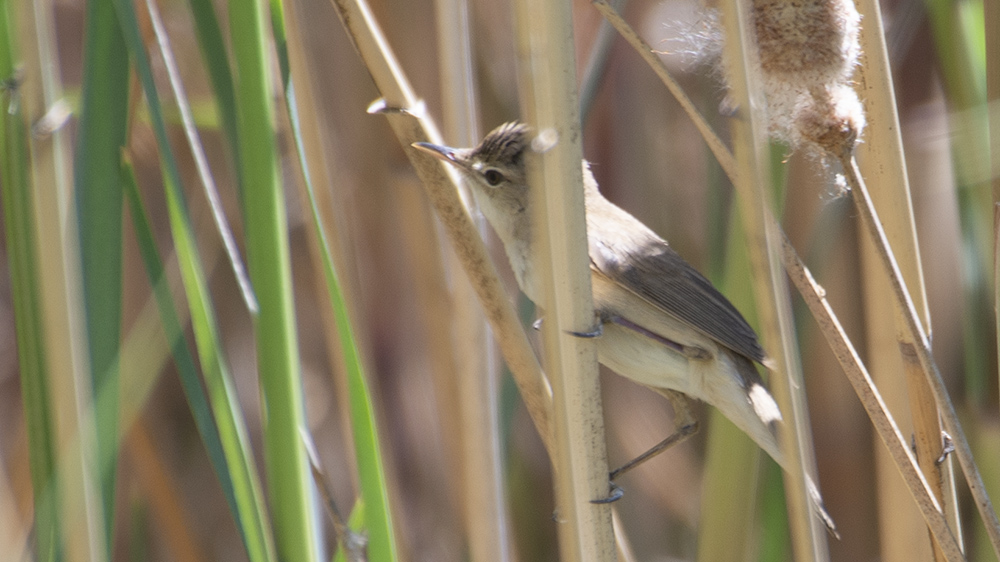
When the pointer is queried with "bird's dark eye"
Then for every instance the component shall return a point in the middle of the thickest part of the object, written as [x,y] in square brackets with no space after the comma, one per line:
[493,176]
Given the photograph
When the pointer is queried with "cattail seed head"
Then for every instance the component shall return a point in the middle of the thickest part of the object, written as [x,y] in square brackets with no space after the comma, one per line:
[833,120]
[807,41]
[807,51]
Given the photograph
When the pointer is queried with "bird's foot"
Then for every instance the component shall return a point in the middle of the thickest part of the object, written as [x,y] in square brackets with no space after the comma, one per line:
[615,493]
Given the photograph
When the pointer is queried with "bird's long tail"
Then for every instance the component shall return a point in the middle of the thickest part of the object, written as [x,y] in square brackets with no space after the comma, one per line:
[756,416]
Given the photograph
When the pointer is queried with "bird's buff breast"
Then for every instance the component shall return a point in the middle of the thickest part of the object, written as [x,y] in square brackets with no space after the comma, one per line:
[643,358]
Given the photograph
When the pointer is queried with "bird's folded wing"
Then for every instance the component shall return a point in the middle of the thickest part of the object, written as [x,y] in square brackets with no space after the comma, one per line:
[655,272]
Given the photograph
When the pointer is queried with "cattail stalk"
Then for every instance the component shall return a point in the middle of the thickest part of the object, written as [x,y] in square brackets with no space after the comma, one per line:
[548,95]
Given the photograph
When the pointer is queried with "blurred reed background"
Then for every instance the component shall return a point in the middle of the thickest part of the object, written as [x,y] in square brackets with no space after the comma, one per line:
[647,157]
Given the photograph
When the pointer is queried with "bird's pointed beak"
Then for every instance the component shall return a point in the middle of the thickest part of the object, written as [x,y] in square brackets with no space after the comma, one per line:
[446,153]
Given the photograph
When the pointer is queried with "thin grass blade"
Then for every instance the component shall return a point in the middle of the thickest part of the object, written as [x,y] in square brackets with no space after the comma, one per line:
[19,240]
[201,160]
[371,471]
[377,518]
[269,260]
[56,253]
[213,50]
[100,138]
[251,514]
[183,359]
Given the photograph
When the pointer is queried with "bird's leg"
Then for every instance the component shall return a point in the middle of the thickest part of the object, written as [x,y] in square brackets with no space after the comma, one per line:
[689,351]
[685,425]
[595,332]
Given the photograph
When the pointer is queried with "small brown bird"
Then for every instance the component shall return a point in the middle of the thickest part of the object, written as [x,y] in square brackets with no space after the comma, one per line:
[662,324]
